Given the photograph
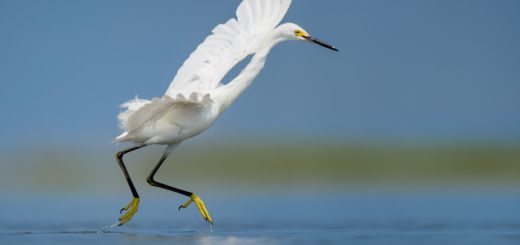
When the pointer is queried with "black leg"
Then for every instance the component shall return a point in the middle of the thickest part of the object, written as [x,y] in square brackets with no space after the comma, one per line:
[192,197]
[119,158]
[152,182]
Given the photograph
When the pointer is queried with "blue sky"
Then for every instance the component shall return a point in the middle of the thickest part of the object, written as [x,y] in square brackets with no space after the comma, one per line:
[433,69]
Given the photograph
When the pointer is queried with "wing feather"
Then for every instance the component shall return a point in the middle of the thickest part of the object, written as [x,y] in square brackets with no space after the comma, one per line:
[228,44]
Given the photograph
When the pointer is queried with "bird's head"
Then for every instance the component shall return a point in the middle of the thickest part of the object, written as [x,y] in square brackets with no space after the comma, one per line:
[291,31]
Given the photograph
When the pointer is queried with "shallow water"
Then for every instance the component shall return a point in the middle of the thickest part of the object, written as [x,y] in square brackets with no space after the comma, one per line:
[246,218]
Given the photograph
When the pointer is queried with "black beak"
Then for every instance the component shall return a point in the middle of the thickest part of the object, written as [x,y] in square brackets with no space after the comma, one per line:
[321,43]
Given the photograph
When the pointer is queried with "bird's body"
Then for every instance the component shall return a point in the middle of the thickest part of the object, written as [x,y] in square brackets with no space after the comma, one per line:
[168,120]
[196,96]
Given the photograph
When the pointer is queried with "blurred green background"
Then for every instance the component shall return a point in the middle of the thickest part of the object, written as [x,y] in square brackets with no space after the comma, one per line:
[278,167]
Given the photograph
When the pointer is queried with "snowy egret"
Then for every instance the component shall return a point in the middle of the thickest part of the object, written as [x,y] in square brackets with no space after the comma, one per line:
[196,97]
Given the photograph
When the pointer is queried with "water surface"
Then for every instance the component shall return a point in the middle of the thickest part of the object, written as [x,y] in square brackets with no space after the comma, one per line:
[247,218]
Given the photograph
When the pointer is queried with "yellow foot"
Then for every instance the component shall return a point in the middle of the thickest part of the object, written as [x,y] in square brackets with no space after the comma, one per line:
[200,204]
[130,209]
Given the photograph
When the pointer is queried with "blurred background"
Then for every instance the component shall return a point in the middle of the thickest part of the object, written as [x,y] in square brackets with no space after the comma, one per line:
[423,98]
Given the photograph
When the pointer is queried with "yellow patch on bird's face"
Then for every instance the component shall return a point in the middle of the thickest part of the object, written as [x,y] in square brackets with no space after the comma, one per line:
[300,33]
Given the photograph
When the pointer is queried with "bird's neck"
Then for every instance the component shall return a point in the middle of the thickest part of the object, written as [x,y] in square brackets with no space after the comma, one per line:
[231,91]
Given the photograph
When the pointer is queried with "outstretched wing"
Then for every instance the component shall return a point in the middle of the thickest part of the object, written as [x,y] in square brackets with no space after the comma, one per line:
[228,44]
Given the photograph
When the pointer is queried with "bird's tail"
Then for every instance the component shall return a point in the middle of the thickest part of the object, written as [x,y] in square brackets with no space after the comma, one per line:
[130,107]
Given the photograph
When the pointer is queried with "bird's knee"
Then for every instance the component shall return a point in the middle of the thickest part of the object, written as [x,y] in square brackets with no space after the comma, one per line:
[151,181]
[119,155]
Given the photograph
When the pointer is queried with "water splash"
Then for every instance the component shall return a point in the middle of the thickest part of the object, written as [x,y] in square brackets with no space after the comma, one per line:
[109,227]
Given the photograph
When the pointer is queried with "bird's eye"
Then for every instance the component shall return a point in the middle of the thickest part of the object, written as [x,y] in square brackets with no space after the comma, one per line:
[298,33]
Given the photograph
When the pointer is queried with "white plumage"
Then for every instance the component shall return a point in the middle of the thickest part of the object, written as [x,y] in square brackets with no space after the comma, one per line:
[196,97]
[228,44]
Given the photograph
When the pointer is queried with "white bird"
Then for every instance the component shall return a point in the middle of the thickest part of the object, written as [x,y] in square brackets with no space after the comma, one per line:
[196,97]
